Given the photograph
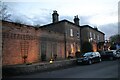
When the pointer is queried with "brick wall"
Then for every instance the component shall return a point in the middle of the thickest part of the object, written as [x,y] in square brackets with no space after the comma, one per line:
[22,44]
[19,41]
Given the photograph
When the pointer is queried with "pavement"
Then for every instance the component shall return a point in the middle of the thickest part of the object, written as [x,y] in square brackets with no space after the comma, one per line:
[14,70]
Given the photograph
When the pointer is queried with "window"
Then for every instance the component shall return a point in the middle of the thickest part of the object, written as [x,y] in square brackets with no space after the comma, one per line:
[90,34]
[66,32]
[71,32]
[98,37]
[72,48]
[54,50]
[43,50]
[94,35]
[78,34]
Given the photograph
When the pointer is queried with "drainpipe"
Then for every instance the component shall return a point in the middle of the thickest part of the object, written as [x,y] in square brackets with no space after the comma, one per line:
[65,43]
[80,40]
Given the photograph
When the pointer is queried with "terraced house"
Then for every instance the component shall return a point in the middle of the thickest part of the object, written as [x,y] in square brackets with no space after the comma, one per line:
[57,40]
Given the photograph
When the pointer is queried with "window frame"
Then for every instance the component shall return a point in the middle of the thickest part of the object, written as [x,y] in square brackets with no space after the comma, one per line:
[71,32]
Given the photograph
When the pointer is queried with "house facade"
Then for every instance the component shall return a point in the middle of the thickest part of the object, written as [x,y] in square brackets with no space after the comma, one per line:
[70,31]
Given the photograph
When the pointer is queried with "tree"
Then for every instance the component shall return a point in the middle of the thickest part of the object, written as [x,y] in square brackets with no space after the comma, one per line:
[4,15]
[115,38]
[19,21]
[37,25]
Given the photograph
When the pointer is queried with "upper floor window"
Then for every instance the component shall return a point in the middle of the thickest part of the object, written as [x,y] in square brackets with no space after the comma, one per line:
[98,37]
[90,34]
[78,34]
[71,32]
[94,35]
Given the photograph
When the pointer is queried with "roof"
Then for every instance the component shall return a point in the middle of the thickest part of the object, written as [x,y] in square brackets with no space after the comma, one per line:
[62,21]
[70,23]
[84,26]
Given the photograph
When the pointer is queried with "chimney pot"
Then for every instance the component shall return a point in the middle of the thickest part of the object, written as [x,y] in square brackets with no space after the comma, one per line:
[55,16]
[76,20]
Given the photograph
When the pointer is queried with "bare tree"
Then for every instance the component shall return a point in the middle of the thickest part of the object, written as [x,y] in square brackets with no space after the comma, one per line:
[17,20]
[37,25]
[4,15]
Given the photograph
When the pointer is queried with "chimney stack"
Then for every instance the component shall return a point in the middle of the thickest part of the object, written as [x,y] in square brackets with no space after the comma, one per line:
[55,16]
[76,20]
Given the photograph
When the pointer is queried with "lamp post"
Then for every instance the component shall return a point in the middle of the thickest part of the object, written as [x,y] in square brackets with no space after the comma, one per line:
[80,39]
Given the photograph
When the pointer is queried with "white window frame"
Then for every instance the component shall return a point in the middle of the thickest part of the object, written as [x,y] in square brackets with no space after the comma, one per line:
[71,32]
[98,37]
[94,35]
[78,34]
[90,34]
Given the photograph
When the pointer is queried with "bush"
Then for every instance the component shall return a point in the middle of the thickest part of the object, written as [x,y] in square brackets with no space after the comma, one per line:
[87,47]
[77,54]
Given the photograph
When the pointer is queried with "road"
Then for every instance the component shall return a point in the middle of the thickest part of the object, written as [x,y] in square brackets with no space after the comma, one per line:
[104,69]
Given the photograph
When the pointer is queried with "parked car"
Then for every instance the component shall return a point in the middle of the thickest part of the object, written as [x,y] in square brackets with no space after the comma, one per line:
[118,53]
[109,55]
[89,58]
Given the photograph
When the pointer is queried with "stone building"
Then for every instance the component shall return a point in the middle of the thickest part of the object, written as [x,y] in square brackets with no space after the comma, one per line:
[94,36]
[57,40]
[70,31]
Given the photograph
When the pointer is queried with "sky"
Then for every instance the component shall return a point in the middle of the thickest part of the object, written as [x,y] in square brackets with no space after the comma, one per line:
[100,13]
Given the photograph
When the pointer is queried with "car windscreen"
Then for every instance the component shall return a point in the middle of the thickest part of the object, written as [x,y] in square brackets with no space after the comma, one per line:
[87,54]
[118,51]
[109,52]
[102,52]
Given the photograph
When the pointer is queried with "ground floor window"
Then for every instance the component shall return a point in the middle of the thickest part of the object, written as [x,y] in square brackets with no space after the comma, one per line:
[43,51]
[54,51]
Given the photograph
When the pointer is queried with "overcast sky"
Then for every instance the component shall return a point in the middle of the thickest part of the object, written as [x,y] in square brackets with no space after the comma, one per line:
[100,13]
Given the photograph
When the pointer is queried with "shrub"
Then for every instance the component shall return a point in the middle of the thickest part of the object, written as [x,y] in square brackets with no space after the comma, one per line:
[87,47]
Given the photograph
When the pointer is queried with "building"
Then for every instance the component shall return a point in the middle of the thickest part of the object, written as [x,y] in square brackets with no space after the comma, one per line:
[94,36]
[57,40]
[70,31]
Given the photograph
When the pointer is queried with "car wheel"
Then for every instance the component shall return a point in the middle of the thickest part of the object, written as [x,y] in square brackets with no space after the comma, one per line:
[111,58]
[89,62]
